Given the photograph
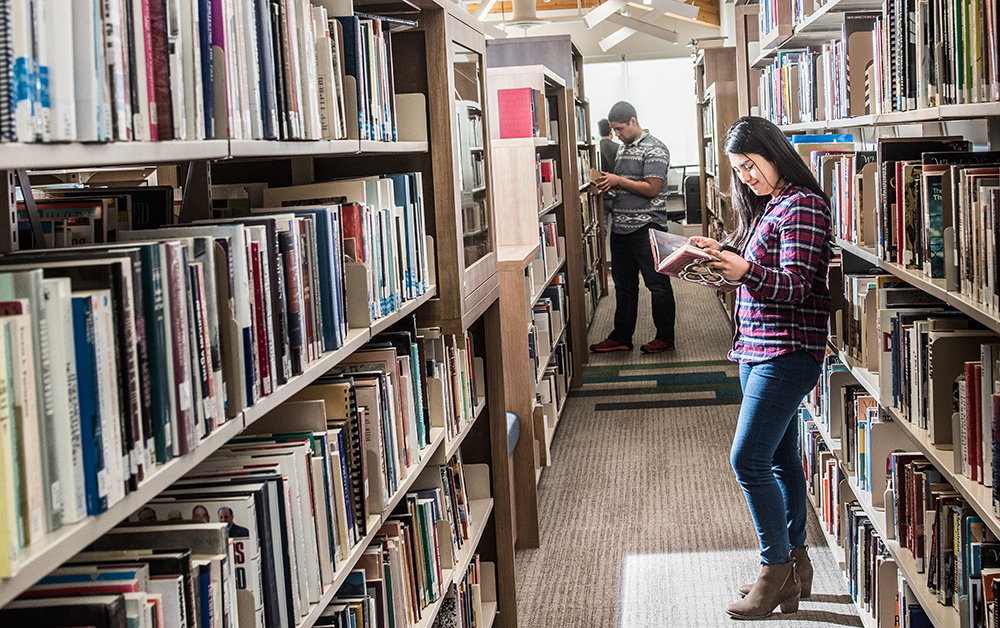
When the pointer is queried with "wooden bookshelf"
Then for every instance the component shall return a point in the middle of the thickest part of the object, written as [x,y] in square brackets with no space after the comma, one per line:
[464,299]
[523,276]
[977,121]
[561,57]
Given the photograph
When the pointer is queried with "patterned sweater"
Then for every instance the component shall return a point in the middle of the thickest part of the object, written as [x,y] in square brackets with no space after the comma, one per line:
[646,157]
[784,302]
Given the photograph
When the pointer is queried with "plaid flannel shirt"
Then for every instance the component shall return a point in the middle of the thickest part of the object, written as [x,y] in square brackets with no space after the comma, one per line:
[784,302]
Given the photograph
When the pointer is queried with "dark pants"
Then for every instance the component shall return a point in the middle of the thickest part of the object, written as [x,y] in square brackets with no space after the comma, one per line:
[631,255]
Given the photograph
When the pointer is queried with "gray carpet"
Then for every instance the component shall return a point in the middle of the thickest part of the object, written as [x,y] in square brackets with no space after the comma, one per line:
[642,522]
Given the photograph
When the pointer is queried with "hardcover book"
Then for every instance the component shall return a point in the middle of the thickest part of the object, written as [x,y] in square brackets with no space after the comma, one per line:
[674,256]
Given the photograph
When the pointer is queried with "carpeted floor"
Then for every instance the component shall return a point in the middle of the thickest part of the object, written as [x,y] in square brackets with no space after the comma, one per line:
[642,522]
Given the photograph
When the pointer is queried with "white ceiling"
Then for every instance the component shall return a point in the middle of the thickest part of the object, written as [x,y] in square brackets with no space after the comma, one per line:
[638,46]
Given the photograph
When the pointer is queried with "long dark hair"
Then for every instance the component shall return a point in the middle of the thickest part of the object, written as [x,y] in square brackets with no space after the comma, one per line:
[758,136]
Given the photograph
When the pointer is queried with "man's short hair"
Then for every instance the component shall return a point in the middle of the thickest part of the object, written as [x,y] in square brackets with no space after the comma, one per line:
[622,112]
[604,127]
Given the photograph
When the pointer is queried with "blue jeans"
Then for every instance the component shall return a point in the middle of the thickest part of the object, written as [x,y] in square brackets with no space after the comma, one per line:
[765,454]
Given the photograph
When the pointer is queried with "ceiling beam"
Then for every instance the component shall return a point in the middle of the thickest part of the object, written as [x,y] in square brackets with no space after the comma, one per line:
[643,27]
[649,17]
[601,12]
[673,7]
[483,8]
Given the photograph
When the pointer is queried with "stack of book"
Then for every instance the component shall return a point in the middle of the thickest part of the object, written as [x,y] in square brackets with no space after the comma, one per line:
[189,70]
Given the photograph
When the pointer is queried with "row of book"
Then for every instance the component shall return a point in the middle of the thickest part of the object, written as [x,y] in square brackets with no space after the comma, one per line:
[592,210]
[591,295]
[913,54]
[262,562]
[549,317]
[157,352]
[193,69]
[297,490]
[581,124]
[832,81]
[549,183]
[584,166]
[550,395]
[592,247]
[553,246]
[953,550]
[912,198]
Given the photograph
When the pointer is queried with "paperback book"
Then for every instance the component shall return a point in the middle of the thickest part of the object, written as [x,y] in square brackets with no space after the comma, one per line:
[674,255]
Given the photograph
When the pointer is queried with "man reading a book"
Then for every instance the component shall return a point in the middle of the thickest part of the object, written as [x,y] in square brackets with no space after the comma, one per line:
[639,205]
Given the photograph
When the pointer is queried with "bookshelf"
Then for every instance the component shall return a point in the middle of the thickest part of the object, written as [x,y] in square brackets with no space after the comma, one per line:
[818,29]
[715,90]
[461,300]
[541,352]
[560,55]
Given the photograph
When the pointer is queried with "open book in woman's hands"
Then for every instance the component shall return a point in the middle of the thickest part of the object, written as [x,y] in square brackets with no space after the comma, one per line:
[674,255]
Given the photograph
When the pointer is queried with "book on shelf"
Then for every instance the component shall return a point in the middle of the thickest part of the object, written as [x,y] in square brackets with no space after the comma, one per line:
[197,69]
[674,256]
[519,112]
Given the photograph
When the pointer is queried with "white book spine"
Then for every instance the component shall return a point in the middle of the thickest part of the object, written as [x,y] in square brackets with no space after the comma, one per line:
[140,117]
[232,71]
[307,42]
[86,86]
[253,71]
[23,69]
[239,35]
[191,59]
[107,376]
[28,436]
[178,69]
[59,313]
[61,61]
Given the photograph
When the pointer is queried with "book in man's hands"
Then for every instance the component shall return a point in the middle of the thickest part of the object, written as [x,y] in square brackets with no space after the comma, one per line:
[674,255]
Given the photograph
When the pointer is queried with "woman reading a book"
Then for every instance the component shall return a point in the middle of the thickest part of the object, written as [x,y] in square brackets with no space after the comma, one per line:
[779,253]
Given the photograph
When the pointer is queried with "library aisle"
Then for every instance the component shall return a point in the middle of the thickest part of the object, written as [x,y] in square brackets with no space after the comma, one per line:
[643,523]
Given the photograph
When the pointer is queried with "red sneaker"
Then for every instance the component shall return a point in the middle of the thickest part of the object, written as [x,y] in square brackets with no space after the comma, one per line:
[609,344]
[657,346]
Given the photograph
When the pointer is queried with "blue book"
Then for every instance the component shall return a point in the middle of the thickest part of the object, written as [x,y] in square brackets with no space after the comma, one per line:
[90,417]
[816,139]
[404,199]
[354,66]
[265,61]
[205,594]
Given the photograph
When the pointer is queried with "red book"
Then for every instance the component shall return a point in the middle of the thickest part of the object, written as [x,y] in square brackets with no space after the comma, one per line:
[976,401]
[181,349]
[160,71]
[517,112]
[263,363]
[676,257]
[352,227]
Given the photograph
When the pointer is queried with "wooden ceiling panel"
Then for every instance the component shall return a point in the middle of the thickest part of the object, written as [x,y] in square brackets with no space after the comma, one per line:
[708,15]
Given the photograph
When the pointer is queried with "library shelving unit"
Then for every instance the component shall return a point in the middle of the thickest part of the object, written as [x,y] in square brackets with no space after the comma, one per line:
[560,55]
[591,199]
[715,90]
[529,191]
[978,122]
[441,58]
[531,259]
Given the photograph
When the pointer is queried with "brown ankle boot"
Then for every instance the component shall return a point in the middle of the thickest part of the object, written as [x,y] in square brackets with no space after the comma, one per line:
[803,569]
[776,586]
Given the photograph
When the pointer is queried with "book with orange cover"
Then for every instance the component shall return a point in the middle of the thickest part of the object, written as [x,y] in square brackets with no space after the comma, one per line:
[675,256]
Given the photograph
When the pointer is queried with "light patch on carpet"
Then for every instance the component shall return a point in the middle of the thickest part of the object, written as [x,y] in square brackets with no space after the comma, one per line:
[682,589]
